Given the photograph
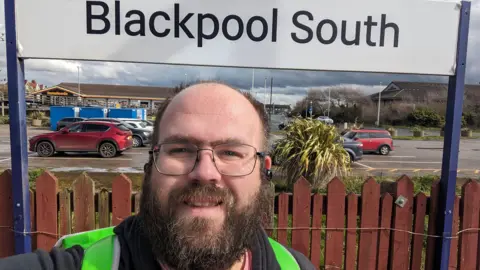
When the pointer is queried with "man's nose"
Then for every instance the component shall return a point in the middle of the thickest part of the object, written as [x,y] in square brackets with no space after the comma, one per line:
[205,169]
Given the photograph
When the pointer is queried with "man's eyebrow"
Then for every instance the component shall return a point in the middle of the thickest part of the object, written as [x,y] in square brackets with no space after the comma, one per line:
[179,139]
[189,139]
[228,140]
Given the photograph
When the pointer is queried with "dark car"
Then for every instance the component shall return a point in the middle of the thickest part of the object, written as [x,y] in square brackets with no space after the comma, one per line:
[67,121]
[353,148]
[107,139]
[141,136]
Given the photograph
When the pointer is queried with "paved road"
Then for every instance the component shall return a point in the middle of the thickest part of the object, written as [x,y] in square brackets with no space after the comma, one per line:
[410,157]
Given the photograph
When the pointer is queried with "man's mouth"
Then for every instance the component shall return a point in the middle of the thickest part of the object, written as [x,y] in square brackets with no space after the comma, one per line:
[203,202]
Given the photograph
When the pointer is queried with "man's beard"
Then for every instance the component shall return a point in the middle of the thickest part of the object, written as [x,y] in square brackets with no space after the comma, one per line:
[186,243]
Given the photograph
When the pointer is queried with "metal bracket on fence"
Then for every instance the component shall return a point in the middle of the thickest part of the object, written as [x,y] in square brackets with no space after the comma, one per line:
[401,201]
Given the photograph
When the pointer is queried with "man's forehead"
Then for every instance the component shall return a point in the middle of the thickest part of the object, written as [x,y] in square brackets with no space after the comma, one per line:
[212,111]
[210,98]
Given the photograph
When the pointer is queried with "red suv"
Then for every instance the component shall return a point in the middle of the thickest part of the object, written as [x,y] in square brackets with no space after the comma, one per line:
[374,140]
[107,139]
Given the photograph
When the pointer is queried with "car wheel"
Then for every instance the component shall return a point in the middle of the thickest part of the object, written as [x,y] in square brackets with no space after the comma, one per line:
[137,142]
[384,150]
[45,149]
[350,158]
[107,150]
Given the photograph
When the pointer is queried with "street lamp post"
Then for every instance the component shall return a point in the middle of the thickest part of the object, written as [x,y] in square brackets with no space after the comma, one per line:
[379,102]
[328,114]
[79,90]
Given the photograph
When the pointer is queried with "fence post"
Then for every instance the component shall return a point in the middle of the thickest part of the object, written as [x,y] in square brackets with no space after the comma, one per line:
[402,220]
[301,216]
[121,199]
[84,203]
[335,219]
[46,201]
[470,220]
[7,246]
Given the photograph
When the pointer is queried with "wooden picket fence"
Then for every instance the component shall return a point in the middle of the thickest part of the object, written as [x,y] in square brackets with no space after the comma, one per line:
[335,230]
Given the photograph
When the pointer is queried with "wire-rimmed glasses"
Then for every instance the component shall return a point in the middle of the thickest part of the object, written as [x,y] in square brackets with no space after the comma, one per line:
[231,159]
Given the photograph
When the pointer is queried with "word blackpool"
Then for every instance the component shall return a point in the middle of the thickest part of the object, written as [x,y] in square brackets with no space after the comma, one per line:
[326,31]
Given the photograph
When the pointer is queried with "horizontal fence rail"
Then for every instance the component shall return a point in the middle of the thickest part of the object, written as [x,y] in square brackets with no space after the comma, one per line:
[372,230]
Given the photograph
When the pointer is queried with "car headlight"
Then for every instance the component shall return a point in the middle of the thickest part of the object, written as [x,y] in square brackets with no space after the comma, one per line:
[146,133]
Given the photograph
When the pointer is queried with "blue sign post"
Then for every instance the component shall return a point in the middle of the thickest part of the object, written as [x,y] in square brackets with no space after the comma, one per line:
[18,134]
[451,145]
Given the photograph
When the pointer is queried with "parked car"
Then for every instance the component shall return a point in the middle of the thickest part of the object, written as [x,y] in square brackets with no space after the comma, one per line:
[353,148]
[67,121]
[138,123]
[141,136]
[107,139]
[325,119]
[374,140]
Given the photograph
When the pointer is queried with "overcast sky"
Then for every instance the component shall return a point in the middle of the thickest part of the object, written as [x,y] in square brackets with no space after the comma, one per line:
[288,86]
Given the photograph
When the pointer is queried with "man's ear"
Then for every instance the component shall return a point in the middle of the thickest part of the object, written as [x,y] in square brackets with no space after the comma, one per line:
[268,163]
[268,167]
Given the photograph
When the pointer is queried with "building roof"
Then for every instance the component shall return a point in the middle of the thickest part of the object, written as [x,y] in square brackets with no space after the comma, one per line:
[113,91]
[398,90]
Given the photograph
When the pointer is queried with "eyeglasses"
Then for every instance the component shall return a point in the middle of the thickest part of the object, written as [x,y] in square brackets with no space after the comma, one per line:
[230,159]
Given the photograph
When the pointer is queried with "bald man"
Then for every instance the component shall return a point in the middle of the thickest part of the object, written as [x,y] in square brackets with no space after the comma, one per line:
[204,197]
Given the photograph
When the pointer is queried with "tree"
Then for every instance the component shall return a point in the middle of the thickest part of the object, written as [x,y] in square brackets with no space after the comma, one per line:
[340,95]
[311,149]
[302,106]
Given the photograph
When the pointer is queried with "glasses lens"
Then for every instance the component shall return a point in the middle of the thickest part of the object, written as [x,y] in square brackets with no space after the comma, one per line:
[230,159]
[235,159]
[176,158]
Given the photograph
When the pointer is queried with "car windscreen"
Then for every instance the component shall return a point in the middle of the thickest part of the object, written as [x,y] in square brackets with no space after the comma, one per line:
[122,127]
[128,125]
[350,135]
[142,124]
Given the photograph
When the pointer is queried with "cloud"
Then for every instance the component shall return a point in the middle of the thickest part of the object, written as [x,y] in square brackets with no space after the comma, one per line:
[289,86]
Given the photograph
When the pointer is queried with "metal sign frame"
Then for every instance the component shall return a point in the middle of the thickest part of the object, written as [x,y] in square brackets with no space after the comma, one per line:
[19,153]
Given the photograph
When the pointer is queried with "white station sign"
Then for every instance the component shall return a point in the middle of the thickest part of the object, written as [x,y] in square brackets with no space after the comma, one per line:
[394,36]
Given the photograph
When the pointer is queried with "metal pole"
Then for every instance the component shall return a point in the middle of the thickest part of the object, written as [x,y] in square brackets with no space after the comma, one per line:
[311,109]
[451,145]
[79,90]
[378,109]
[265,95]
[253,81]
[328,114]
[271,92]
[18,135]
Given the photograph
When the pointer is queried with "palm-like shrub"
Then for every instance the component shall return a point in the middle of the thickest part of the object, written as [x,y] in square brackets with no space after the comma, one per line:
[311,149]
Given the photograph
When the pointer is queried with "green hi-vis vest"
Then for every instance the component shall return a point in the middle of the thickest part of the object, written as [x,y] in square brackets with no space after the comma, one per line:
[102,250]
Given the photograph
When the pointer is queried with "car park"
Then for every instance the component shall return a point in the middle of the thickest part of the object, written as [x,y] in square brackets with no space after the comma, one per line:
[107,139]
[374,140]
[141,136]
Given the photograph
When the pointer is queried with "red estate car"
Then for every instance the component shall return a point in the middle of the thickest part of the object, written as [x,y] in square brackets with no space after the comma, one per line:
[374,140]
[107,139]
